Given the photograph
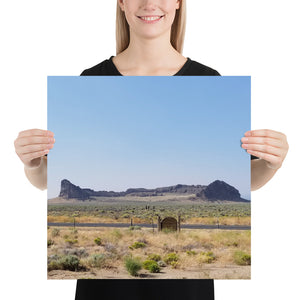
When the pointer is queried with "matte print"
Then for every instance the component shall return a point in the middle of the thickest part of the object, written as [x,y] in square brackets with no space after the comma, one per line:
[148,179]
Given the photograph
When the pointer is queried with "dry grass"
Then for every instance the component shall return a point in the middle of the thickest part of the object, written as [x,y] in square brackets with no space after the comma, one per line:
[190,245]
[245,221]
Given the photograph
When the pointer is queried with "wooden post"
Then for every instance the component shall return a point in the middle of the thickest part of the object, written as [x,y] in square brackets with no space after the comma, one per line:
[158,224]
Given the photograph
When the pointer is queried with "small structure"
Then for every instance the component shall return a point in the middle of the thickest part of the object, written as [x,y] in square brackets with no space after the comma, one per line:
[168,223]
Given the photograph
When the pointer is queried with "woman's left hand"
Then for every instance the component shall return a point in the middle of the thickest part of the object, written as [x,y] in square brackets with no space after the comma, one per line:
[269,145]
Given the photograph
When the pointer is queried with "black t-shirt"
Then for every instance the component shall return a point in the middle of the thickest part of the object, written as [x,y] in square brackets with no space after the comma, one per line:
[190,68]
[146,289]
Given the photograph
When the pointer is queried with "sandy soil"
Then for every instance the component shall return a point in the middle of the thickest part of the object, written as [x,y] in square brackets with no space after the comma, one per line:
[207,271]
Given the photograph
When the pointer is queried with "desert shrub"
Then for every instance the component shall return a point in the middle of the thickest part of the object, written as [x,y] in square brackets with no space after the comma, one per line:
[97,260]
[52,257]
[190,252]
[155,257]
[55,232]
[137,245]
[54,265]
[174,264]
[111,248]
[69,262]
[50,242]
[80,252]
[133,265]
[65,262]
[242,258]
[207,257]
[97,241]
[71,241]
[171,257]
[151,265]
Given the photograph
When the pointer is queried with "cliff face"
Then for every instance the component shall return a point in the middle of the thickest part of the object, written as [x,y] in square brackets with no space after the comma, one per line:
[217,190]
[220,190]
[71,191]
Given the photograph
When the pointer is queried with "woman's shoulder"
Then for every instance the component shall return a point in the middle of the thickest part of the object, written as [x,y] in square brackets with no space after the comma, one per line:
[105,68]
[195,68]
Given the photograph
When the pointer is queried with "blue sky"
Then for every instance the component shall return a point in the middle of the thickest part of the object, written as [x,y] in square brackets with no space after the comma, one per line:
[114,133]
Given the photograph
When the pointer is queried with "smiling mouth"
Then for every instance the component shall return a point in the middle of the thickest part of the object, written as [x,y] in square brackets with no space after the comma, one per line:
[150,18]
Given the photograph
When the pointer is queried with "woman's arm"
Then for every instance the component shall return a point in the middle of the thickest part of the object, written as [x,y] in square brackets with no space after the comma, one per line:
[271,148]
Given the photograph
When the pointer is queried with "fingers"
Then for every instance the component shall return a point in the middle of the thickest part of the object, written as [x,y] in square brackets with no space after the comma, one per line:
[30,140]
[262,141]
[35,147]
[264,148]
[274,162]
[265,133]
[33,132]
[32,144]
[30,157]
[266,144]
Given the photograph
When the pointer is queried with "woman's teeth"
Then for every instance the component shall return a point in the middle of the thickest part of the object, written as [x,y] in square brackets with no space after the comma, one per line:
[150,18]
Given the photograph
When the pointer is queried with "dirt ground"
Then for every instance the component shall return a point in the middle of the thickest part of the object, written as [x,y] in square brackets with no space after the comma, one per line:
[207,271]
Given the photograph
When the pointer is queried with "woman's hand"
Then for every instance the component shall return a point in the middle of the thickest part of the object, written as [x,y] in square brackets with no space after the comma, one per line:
[32,144]
[269,145]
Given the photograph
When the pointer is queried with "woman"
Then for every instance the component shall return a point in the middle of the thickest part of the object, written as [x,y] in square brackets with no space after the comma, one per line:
[150,35]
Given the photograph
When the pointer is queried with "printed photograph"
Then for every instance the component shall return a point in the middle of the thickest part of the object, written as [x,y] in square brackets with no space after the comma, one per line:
[148,178]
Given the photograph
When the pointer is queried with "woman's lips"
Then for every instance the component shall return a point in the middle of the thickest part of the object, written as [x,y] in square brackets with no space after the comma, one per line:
[150,19]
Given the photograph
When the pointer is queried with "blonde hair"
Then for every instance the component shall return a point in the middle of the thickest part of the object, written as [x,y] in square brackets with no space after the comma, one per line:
[177,30]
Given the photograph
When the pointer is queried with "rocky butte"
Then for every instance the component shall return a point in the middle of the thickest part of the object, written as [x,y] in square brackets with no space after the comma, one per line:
[216,191]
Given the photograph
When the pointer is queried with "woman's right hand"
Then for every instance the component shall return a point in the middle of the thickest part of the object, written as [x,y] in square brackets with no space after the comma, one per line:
[31,145]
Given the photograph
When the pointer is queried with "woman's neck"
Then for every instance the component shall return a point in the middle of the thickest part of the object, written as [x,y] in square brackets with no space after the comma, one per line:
[149,57]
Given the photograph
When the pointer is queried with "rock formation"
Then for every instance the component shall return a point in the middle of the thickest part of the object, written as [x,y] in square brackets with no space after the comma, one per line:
[217,190]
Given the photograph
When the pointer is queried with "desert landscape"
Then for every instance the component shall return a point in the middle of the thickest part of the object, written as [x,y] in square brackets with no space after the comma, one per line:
[149,234]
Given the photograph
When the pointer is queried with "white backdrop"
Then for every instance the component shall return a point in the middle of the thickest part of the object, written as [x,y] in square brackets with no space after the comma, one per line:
[257,38]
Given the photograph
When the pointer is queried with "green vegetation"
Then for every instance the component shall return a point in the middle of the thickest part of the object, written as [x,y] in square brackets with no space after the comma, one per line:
[207,257]
[137,209]
[137,245]
[190,252]
[97,260]
[133,265]
[155,257]
[170,258]
[151,265]
[242,258]
[71,241]
[50,242]
[97,241]
[65,262]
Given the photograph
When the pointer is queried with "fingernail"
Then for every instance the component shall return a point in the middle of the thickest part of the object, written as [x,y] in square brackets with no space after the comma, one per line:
[248,133]
[244,139]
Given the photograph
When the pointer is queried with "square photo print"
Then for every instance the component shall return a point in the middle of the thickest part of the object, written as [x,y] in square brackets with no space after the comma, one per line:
[147,178]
